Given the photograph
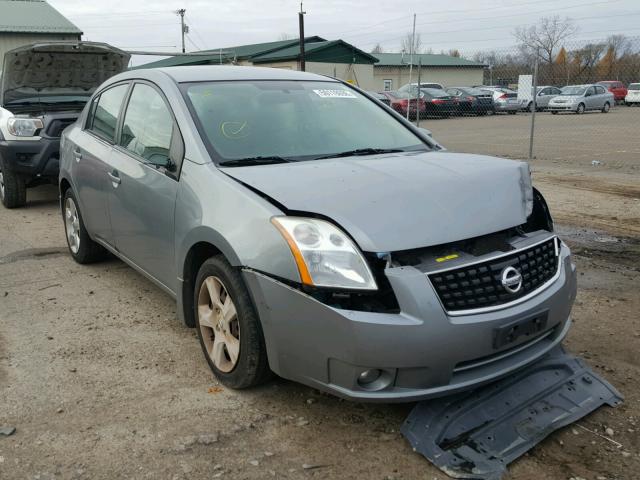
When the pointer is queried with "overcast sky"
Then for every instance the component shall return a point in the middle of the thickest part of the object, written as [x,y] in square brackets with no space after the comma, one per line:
[468,25]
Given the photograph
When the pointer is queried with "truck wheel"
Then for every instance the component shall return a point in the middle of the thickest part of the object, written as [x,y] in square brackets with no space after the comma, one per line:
[228,326]
[82,248]
[580,109]
[13,190]
[606,107]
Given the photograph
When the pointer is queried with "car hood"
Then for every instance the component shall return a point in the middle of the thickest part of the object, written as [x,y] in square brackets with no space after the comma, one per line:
[400,201]
[58,69]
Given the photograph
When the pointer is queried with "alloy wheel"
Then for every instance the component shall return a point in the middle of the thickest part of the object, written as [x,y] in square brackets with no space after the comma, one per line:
[219,325]
[72,225]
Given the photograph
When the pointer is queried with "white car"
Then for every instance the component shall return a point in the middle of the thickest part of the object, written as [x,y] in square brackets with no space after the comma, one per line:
[633,94]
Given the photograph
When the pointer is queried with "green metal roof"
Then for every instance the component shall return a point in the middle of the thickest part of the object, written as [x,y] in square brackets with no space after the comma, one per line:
[33,16]
[334,51]
[427,60]
[240,52]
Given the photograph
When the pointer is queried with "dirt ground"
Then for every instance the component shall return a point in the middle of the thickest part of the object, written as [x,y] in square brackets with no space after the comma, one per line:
[102,382]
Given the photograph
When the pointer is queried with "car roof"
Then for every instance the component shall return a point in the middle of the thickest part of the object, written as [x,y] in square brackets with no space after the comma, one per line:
[203,73]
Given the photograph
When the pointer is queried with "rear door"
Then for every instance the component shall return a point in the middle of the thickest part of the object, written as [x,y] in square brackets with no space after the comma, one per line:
[144,183]
[91,151]
[591,99]
[602,95]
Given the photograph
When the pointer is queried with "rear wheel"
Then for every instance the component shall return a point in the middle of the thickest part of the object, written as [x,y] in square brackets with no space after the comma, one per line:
[554,112]
[580,109]
[606,107]
[530,107]
[13,190]
[512,112]
[228,326]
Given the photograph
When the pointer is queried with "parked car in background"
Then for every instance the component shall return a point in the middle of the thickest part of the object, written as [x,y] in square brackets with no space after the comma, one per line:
[581,98]
[617,88]
[505,100]
[44,88]
[400,102]
[438,103]
[305,230]
[633,94]
[412,88]
[381,97]
[471,100]
[544,96]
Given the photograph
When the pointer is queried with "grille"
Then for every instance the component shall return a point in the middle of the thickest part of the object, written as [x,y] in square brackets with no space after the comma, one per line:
[479,285]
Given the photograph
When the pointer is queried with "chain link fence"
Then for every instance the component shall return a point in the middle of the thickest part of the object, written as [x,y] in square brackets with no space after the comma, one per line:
[595,123]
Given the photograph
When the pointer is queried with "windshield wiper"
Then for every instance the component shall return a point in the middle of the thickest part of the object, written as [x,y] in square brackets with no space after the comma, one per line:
[360,152]
[244,162]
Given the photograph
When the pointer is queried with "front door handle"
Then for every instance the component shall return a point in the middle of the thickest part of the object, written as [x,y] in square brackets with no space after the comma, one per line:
[115,179]
[77,155]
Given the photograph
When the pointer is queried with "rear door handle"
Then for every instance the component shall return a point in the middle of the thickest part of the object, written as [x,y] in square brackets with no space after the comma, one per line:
[115,179]
[77,155]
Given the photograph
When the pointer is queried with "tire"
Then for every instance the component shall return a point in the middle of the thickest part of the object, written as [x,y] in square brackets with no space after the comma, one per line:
[13,189]
[512,112]
[580,109]
[81,247]
[530,107]
[554,112]
[606,107]
[250,367]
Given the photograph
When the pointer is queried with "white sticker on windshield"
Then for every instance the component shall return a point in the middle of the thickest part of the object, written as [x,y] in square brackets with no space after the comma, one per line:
[335,94]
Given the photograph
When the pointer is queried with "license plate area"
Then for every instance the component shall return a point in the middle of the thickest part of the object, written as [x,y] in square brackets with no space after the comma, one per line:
[528,327]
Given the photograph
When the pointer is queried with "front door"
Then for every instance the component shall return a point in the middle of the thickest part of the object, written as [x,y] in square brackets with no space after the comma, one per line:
[143,190]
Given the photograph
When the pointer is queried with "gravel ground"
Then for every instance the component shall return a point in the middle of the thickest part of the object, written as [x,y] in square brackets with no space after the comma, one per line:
[102,382]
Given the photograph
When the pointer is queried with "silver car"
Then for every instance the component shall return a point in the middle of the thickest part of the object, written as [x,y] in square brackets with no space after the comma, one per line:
[504,99]
[581,98]
[306,229]
[545,95]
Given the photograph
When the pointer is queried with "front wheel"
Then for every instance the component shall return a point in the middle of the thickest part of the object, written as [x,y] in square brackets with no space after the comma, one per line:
[554,112]
[580,109]
[228,326]
[81,247]
[512,112]
[606,107]
[13,190]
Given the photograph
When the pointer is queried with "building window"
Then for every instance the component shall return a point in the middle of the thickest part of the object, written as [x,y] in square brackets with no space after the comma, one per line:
[388,85]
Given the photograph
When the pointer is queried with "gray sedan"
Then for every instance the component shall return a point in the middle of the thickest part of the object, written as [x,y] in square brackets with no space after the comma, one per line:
[581,98]
[306,229]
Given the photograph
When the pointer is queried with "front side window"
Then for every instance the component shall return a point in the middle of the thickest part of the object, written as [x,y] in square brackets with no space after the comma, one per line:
[292,120]
[105,112]
[148,126]
[579,91]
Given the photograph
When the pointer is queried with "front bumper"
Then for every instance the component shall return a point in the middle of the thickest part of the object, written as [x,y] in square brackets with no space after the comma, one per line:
[421,351]
[562,107]
[32,158]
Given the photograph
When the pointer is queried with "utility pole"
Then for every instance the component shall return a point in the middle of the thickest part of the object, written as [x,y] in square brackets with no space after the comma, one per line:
[183,28]
[417,101]
[301,24]
[413,47]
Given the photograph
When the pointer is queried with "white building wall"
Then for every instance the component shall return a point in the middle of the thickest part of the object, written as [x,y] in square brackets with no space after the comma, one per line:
[453,77]
[358,74]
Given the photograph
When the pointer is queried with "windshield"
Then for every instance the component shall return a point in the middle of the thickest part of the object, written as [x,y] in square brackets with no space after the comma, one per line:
[573,91]
[293,120]
[634,86]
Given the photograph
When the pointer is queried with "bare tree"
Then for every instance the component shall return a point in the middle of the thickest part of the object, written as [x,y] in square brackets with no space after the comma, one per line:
[286,36]
[377,49]
[620,45]
[406,44]
[585,60]
[545,37]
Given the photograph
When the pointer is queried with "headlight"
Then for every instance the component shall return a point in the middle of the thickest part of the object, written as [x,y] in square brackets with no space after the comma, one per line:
[326,257]
[24,127]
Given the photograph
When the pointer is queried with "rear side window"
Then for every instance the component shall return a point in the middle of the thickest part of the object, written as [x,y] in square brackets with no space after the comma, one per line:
[104,112]
[600,90]
[148,126]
